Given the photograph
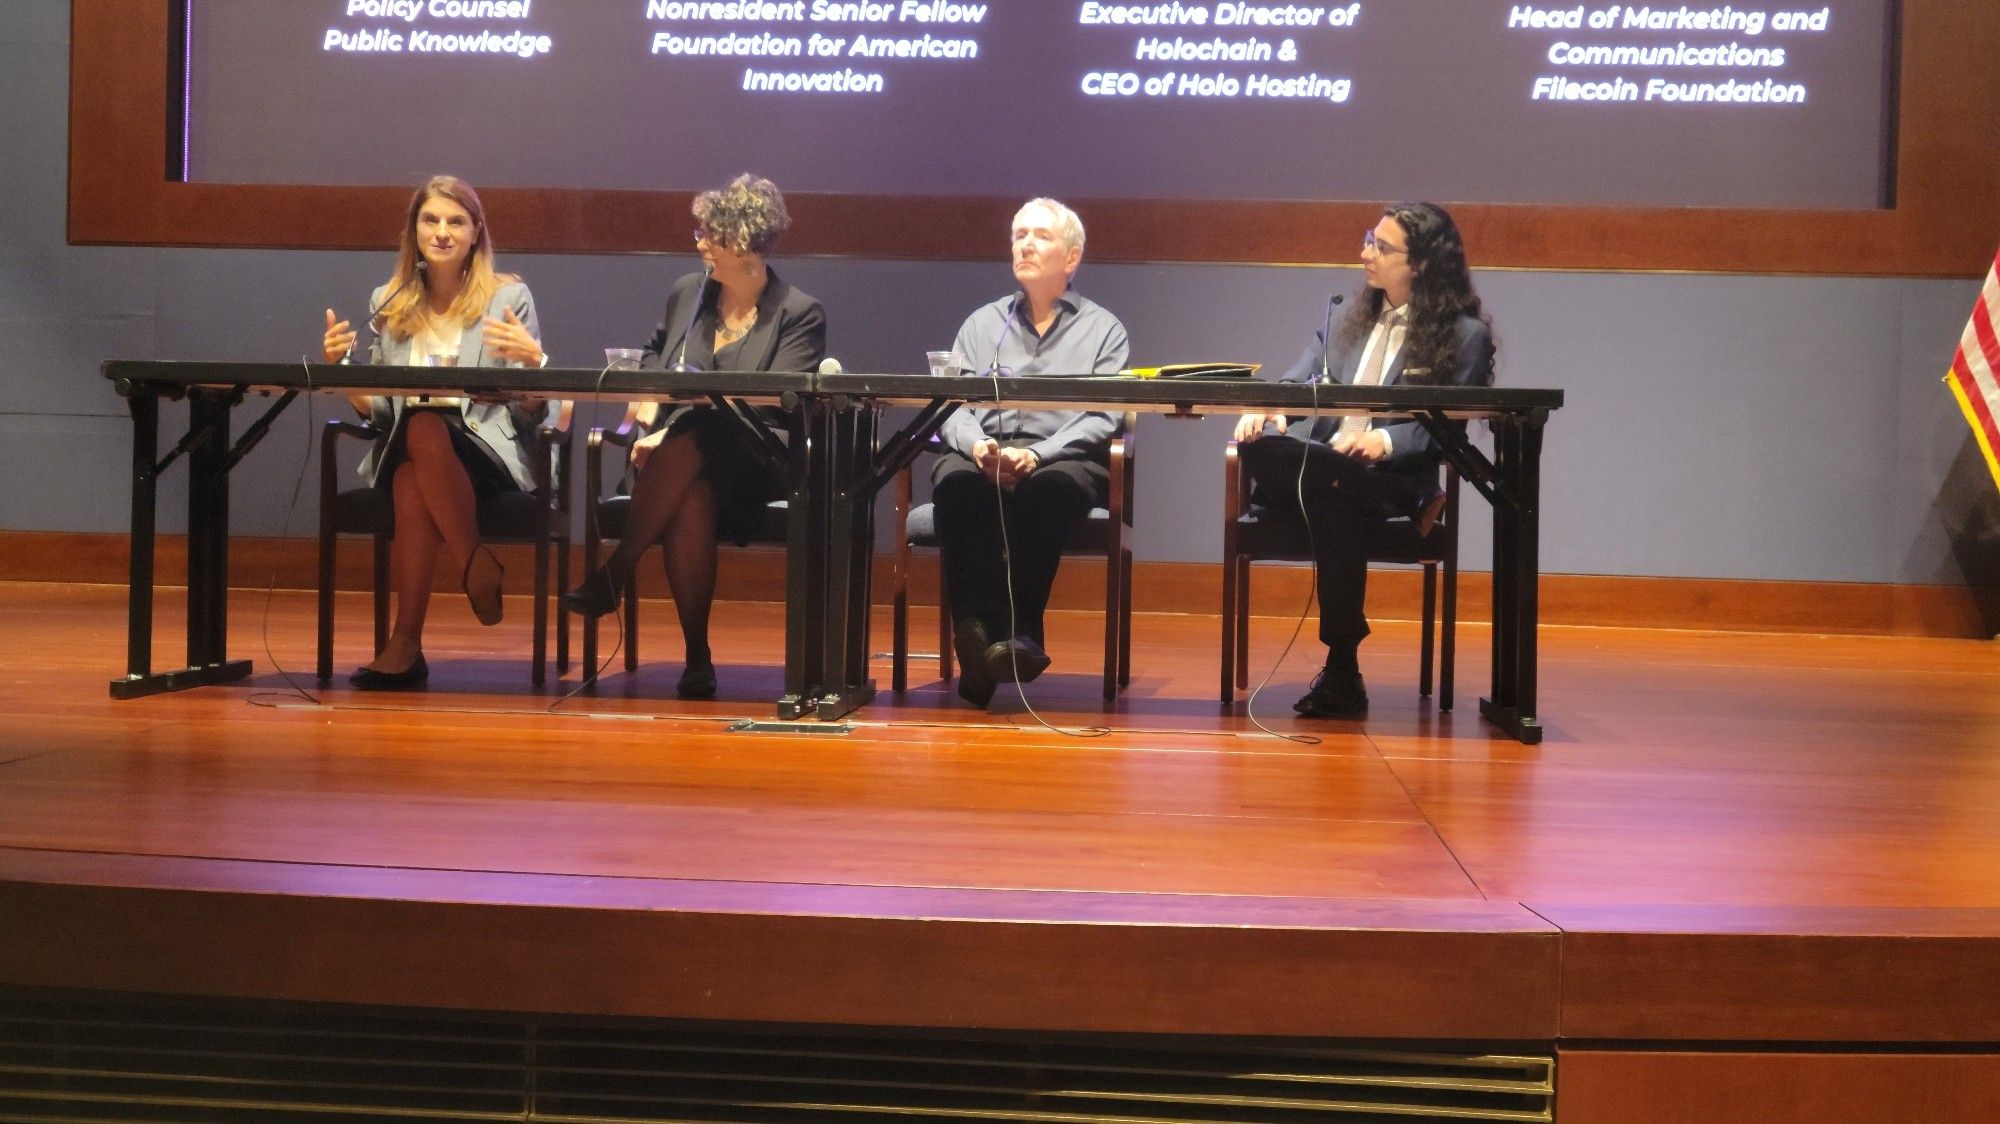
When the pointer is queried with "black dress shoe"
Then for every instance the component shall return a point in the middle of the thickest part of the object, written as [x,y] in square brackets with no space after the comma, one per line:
[969,640]
[1020,656]
[697,681]
[410,678]
[1334,696]
[596,596]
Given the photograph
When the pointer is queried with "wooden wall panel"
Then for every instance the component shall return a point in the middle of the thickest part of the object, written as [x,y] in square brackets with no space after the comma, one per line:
[662,961]
[1796,974]
[1946,222]
[1634,1087]
[757,574]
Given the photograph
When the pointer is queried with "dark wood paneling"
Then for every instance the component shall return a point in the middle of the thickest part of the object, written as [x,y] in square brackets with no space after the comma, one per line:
[1633,1087]
[1778,974]
[757,574]
[1209,969]
[1946,222]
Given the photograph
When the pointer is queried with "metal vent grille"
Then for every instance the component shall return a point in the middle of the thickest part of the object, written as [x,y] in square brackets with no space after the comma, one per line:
[119,1063]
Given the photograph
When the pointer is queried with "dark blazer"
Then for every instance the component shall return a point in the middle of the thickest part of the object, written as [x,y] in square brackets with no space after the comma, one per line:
[1411,448]
[790,333]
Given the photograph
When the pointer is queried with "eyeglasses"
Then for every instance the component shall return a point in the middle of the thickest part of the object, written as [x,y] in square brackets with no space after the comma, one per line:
[700,235]
[1370,242]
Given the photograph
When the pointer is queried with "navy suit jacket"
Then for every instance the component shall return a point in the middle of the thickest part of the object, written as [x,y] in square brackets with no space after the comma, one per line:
[1411,448]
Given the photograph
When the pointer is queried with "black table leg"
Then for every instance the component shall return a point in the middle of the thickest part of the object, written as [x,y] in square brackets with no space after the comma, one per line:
[208,539]
[805,556]
[209,460]
[145,407]
[844,683]
[1516,579]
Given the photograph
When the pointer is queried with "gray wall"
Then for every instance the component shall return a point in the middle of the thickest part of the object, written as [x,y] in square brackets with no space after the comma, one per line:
[1741,427]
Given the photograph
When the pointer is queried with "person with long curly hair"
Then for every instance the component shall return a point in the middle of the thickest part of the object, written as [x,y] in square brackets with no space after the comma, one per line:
[1415,321]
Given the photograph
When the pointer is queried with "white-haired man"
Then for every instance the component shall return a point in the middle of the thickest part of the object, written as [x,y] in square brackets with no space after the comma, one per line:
[1043,469]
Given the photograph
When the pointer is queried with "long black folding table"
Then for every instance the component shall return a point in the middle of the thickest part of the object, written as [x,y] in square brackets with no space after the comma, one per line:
[833,469]
[1510,480]
[214,390]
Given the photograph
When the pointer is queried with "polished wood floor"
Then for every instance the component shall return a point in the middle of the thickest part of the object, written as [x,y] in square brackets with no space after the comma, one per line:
[1691,783]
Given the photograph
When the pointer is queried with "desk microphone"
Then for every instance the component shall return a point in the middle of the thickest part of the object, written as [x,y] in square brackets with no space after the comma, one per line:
[680,360]
[1013,310]
[993,368]
[375,312]
[1325,338]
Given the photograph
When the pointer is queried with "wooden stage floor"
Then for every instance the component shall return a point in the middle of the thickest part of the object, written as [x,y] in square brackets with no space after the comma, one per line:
[1724,837]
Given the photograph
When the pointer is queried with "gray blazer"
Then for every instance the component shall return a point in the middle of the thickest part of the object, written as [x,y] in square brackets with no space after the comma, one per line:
[509,431]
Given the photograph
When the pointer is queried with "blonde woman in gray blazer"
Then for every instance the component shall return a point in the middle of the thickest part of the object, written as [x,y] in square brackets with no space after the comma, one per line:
[446,306]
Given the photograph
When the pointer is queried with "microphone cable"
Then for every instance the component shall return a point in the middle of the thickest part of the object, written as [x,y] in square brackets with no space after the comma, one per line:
[1312,594]
[1007,565]
[1312,535]
[596,400]
[631,586]
[298,484]
[270,698]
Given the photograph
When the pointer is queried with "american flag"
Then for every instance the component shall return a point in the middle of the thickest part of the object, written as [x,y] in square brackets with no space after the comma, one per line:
[1975,371]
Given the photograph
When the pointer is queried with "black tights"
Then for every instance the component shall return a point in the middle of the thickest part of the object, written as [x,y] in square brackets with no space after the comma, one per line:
[674,505]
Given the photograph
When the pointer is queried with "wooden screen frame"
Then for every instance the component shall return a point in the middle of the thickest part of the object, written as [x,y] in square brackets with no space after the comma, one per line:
[1946,221]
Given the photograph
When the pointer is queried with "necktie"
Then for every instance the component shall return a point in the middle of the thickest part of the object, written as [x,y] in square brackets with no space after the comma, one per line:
[1353,425]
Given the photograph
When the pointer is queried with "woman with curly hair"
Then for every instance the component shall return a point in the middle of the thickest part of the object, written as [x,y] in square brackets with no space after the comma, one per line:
[696,478]
[1416,321]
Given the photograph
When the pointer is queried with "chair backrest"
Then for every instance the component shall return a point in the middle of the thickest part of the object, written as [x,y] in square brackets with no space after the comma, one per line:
[1399,542]
[1283,536]
[919,522]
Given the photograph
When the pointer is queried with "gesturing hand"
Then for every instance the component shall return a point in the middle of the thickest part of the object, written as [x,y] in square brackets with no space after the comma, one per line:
[339,339]
[510,340]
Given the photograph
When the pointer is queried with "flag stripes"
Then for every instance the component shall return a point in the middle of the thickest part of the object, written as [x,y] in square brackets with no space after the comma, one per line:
[1972,378]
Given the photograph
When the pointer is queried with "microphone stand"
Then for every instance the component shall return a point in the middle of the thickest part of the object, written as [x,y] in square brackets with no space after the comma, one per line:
[423,268]
[680,363]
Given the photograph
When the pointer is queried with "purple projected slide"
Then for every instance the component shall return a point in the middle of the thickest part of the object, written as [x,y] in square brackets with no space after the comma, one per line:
[1731,105]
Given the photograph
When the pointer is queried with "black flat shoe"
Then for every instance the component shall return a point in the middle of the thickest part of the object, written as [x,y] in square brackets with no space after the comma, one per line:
[1334,696]
[697,681]
[485,601]
[1020,656]
[408,679]
[596,596]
